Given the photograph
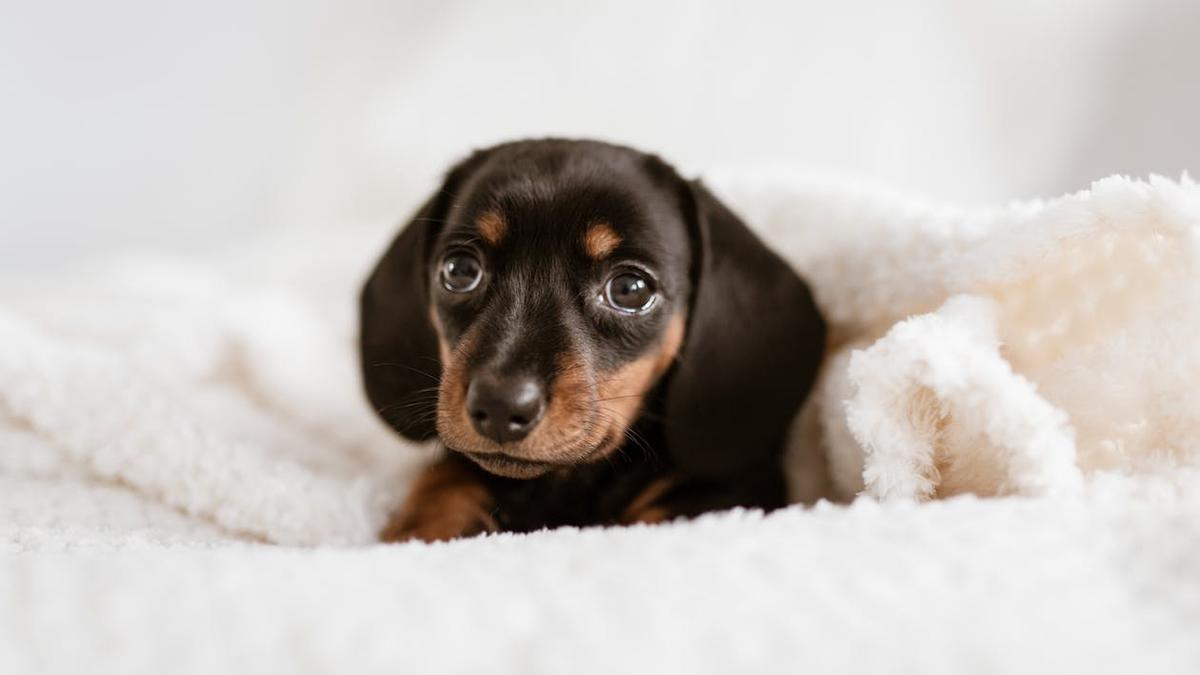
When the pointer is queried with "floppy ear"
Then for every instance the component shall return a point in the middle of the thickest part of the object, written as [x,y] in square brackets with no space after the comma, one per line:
[754,342]
[398,346]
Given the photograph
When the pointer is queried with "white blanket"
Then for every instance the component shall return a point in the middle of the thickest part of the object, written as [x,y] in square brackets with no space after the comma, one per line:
[190,480]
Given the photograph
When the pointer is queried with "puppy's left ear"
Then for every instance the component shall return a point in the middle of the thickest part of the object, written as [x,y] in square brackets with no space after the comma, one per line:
[754,343]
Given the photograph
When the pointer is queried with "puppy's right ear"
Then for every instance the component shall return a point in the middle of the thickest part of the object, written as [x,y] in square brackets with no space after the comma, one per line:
[398,345]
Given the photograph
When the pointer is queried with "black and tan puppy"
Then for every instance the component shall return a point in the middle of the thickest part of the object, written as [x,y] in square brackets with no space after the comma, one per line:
[592,338]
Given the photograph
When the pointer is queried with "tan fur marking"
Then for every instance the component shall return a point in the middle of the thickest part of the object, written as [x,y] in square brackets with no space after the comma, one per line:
[643,508]
[443,347]
[620,394]
[568,394]
[600,240]
[447,502]
[453,424]
[652,515]
[492,227]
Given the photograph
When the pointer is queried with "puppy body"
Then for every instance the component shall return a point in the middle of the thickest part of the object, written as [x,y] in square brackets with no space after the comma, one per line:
[593,339]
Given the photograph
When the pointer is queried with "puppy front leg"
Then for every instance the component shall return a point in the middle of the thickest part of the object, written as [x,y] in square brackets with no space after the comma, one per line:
[449,500]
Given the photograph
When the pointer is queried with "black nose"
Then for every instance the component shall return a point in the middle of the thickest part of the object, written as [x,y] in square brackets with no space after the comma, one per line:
[505,408]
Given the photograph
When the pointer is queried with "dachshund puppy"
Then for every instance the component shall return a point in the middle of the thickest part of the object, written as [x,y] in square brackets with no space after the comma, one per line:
[592,338]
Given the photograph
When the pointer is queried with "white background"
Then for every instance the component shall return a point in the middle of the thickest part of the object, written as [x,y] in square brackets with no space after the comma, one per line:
[190,125]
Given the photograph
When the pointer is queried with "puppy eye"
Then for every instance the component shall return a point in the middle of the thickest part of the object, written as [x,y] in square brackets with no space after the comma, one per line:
[630,291]
[461,272]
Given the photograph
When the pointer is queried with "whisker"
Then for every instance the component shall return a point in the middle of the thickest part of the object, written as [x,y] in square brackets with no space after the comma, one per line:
[418,397]
[395,407]
[406,367]
[615,398]
[629,432]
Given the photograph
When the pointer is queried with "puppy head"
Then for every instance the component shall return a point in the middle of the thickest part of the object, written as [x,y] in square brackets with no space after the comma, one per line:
[531,305]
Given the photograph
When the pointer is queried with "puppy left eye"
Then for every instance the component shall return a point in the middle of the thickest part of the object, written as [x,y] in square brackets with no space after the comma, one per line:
[630,291]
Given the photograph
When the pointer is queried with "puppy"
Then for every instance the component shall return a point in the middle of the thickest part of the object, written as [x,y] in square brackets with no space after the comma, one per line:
[592,338]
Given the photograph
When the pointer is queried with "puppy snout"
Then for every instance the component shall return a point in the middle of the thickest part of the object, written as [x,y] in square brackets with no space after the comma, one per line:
[505,408]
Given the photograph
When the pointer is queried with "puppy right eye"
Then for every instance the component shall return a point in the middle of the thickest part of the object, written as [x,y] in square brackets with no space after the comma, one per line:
[630,292]
[461,272]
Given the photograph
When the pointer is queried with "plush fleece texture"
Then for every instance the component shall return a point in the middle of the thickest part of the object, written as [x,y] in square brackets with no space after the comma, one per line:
[190,480]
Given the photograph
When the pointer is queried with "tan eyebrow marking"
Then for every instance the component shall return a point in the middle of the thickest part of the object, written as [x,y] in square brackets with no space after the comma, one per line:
[600,240]
[491,226]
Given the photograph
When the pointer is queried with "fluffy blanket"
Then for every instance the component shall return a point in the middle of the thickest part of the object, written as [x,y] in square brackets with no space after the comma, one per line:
[191,482]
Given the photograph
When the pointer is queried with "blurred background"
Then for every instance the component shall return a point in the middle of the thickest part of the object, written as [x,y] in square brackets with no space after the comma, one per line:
[192,125]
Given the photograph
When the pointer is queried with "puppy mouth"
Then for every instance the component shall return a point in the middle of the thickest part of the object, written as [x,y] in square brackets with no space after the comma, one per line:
[510,467]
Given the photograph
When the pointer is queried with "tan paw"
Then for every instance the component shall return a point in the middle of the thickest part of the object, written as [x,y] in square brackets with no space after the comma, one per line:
[645,507]
[448,501]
